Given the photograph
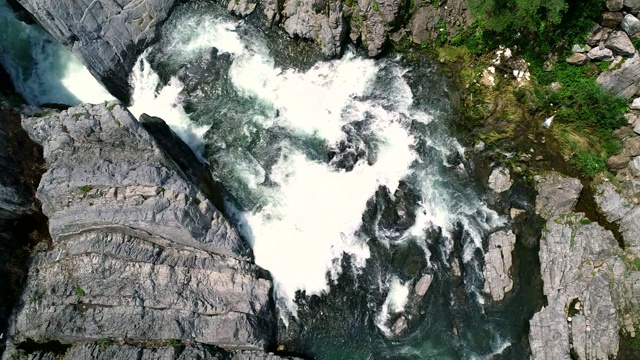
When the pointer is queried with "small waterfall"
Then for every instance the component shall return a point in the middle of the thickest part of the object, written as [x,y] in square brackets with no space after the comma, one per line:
[43,70]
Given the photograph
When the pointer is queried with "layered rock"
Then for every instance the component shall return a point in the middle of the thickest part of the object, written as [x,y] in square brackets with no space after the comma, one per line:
[320,21]
[588,281]
[107,36]
[140,254]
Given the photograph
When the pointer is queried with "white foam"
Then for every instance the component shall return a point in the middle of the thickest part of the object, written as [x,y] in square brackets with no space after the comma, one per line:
[394,303]
[43,70]
[165,103]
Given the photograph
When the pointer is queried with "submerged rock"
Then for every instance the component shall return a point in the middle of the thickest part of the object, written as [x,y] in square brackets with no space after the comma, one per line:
[107,36]
[139,254]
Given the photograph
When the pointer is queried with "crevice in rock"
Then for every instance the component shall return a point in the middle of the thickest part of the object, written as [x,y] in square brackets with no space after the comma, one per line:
[30,346]
[587,205]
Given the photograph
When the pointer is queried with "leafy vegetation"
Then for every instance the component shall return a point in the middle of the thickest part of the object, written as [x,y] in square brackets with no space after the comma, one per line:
[79,292]
[510,15]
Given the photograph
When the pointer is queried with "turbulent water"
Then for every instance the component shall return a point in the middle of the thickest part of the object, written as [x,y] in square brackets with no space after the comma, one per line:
[342,175]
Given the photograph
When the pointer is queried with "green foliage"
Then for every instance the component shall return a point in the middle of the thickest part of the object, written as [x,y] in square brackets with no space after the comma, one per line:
[174,342]
[85,190]
[585,221]
[80,292]
[118,122]
[604,65]
[112,106]
[510,15]
[590,164]
[375,6]
[436,4]
[443,34]
[104,342]
[635,264]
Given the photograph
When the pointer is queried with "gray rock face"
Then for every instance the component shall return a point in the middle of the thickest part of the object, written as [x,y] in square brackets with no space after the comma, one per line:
[557,194]
[625,81]
[107,36]
[598,34]
[307,19]
[579,262]
[631,25]
[630,228]
[620,43]
[497,267]
[500,180]
[427,20]
[139,252]
[615,5]
[610,203]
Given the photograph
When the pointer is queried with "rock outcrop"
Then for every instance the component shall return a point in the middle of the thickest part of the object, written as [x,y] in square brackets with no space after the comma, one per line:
[588,280]
[623,81]
[107,36]
[140,258]
[557,194]
[497,264]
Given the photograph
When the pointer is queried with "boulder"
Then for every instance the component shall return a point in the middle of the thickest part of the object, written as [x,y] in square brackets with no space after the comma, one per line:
[241,8]
[631,25]
[624,81]
[611,19]
[600,53]
[497,264]
[620,43]
[107,36]
[614,5]
[610,203]
[635,104]
[577,59]
[557,194]
[617,162]
[139,252]
[500,180]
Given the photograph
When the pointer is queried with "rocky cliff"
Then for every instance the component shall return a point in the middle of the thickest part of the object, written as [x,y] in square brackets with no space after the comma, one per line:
[141,262]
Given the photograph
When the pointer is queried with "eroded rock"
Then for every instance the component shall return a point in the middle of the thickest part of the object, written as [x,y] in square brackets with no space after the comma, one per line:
[624,81]
[557,194]
[497,264]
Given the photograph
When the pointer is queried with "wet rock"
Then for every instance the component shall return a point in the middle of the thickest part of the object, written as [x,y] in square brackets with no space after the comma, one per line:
[611,19]
[620,43]
[107,36]
[557,194]
[102,351]
[423,284]
[577,59]
[497,266]
[614,5]
[631,25]
[572,254]
[624,81]
[399,326]
[139,252]
[500,180]
[15,201]
[610,203]
[600,54]
[241,8]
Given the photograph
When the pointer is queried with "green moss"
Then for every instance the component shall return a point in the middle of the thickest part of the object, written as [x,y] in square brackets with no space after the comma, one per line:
[585,221]
[635,264]
[112,106]
[104,342]
[118,122]
[80,292]
[174,342]
[375,6]
[85,190]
